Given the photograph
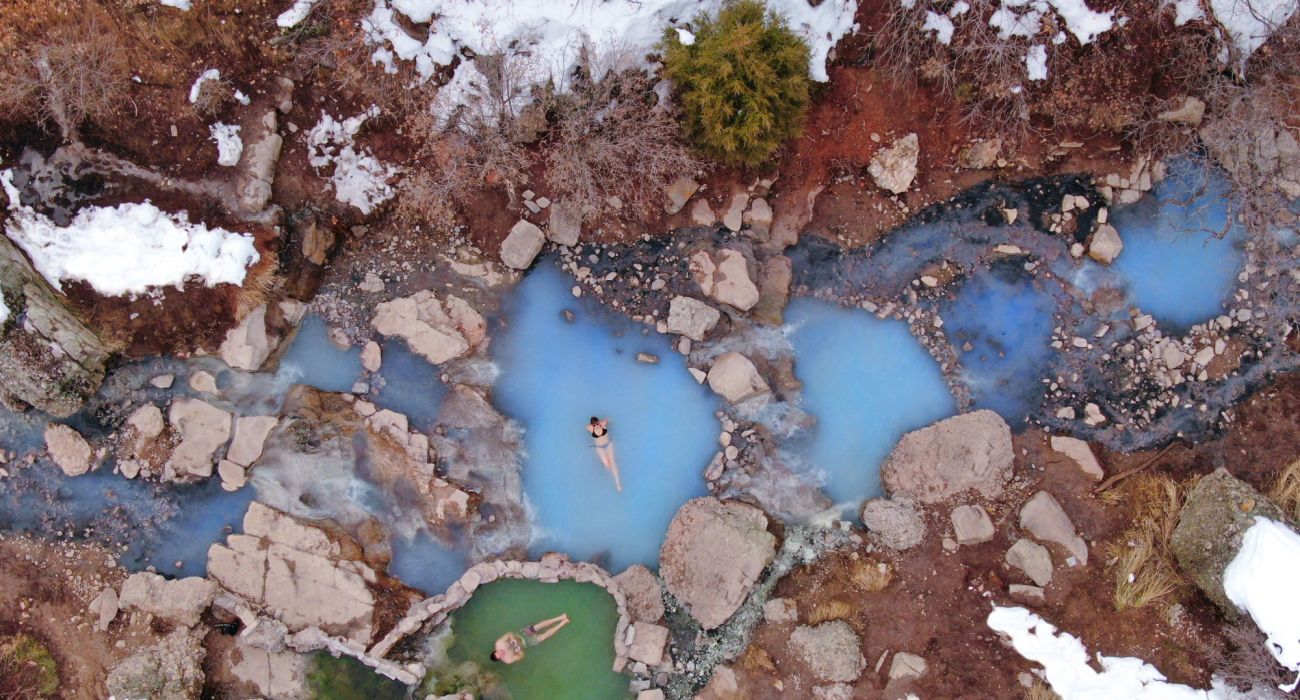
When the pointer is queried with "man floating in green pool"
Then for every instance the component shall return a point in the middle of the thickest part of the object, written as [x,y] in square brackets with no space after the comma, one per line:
[510,646]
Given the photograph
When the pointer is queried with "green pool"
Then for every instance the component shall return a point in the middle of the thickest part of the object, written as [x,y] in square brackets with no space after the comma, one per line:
[576,663]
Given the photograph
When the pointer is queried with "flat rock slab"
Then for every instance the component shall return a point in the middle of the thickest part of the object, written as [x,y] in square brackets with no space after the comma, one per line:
[963,453]
[972,525]
[713,554]
[831,650]
[1044,518]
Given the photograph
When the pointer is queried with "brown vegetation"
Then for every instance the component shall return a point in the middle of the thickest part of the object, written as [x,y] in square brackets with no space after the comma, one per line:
[1144,569]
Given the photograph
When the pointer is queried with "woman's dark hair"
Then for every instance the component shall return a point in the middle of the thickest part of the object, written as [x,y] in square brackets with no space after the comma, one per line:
[594,420]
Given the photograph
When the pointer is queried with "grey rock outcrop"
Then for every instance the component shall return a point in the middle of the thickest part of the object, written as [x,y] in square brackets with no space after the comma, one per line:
[967,452]
[713,554]
[1032,559]
[261,154]
[172,669]
[1044,518]
[49,359]
[181,601]
[565,224]
[831,650]
[895,521]
[1215,516]
[691,317]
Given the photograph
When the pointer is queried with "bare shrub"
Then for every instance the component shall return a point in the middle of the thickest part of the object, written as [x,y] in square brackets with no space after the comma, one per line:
[77,71]
[1285,490]
[1246,663]
[214,93]
[613,141]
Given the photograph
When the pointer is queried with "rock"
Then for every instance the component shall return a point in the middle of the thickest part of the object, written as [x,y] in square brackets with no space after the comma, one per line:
[691,317]
[1266,152]
[1172,355]
[105,608]
[980,155]
[1215,516]
[650,694]
[713,554]
[1092,415]
[172,669]
[1105,245]
[1032,559]
[724,276]
[645,600]
[301,574]
[203,429]
[906,666]
[180,601]
[1191,111]
[679,192]
[203,382]
[971,525]
[371,356]
[896,522]
[893,168]
[831,650]
[163,381]
[250,435]
[971,451]
[68,449]
[833,691]
[648,643]
[733,217]
[735,378]
[1028,595]
[759,217]
[565,224]
[372,283]
[146,421]
[1079,452]
[779,611]
[1045,519]
[721,686]
[774,289]
[521,247]
[247,346]
[257,166]
[233,476]
[701,213]
[48,358]
[436,329]
[280,675]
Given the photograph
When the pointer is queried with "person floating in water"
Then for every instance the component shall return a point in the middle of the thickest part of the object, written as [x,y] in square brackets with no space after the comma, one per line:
[599,429]
[510,647]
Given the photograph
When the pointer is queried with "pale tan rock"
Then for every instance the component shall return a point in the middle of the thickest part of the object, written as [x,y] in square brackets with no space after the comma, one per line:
[905,666]
[831,650]
[701,213]
[1044,518]
[372,357]
[247,346]
[713,554]
[181,601]
[172,669]
[203,429]
[733,216]
[971,451]
[1033,559]
[734,377]
[691,317]
[1081,454]
[68,449]
[250,436]
[279,675]
[439,330]
[1105,245]
[724,277]
[679,192]
[203,382]
[648,643]
[971,525]
[105,608]
[645,602]
[893,168]
[233,476]
[522,245]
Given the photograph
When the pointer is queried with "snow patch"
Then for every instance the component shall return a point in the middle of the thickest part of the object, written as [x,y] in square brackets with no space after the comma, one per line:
[4,310]
[130,249]
[553,31]
[1186,10]
[197,87]
[295,14]
[1250,22]
[940,25]
[178,4]
[1261,580]
[1082,22]
[229,146]
[1036,62]
[1065,663]
[359,178]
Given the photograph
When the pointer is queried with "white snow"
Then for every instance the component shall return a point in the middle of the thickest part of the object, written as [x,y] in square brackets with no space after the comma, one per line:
[295,14]
[940,25]
[960,7]
[1010,23]
[1082,22]
[1262,579]
[242,99]
[4,310]
[1036,62]
[178,4]
[229,146]
[1186,10]
[205,76]
[1065,663]
[554,30]
[130,249]
[1250,22]
[359,178]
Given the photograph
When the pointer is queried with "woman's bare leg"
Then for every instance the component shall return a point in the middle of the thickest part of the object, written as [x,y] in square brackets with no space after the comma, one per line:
[612,465]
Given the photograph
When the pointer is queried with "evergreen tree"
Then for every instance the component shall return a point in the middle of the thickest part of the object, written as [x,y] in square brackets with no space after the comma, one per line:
[742,83]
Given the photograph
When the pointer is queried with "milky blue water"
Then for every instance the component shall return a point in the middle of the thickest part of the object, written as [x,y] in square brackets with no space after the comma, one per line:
[313,360]
[867,381]
[1007,319]
[1181,256]
[411,385]
[555,376]
[424,563]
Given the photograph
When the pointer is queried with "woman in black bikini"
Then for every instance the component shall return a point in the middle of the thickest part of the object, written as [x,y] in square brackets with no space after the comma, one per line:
[599,429]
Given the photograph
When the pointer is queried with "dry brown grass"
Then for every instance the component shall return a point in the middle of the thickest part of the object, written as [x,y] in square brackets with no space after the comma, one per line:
[260,281]
[756,658]
[1041,691]
[870,576]
[827,610]
[1285,490]
[1144,569]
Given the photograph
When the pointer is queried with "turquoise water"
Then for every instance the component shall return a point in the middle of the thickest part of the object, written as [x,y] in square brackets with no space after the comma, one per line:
[555,376]
[868,382]
[1181,256]
[1007,321]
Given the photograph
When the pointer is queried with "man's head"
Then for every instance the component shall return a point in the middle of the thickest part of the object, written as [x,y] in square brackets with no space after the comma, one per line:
[496,656]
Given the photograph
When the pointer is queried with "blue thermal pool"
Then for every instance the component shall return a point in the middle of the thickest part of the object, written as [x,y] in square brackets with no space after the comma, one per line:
[555,376]
[868,382]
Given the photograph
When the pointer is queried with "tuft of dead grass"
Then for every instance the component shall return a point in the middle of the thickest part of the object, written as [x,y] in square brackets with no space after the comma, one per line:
[871,576]
[1041,691]
[756,658]
[826,611]
[1144,568]
[1285,490]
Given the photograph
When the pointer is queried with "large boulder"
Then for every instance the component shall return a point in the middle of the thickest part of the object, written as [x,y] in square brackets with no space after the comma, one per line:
[172,669]
[893,168]
[180,601]
[203,428]
[302,575]
[521,247]
[645,599]
[1215,516]
[724,276]
[439,330]
[831,650]
[247,345]
[713,554]
[895,521]
[691,317]
[48,358]
[68,449]
[734,377]
[967,452]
